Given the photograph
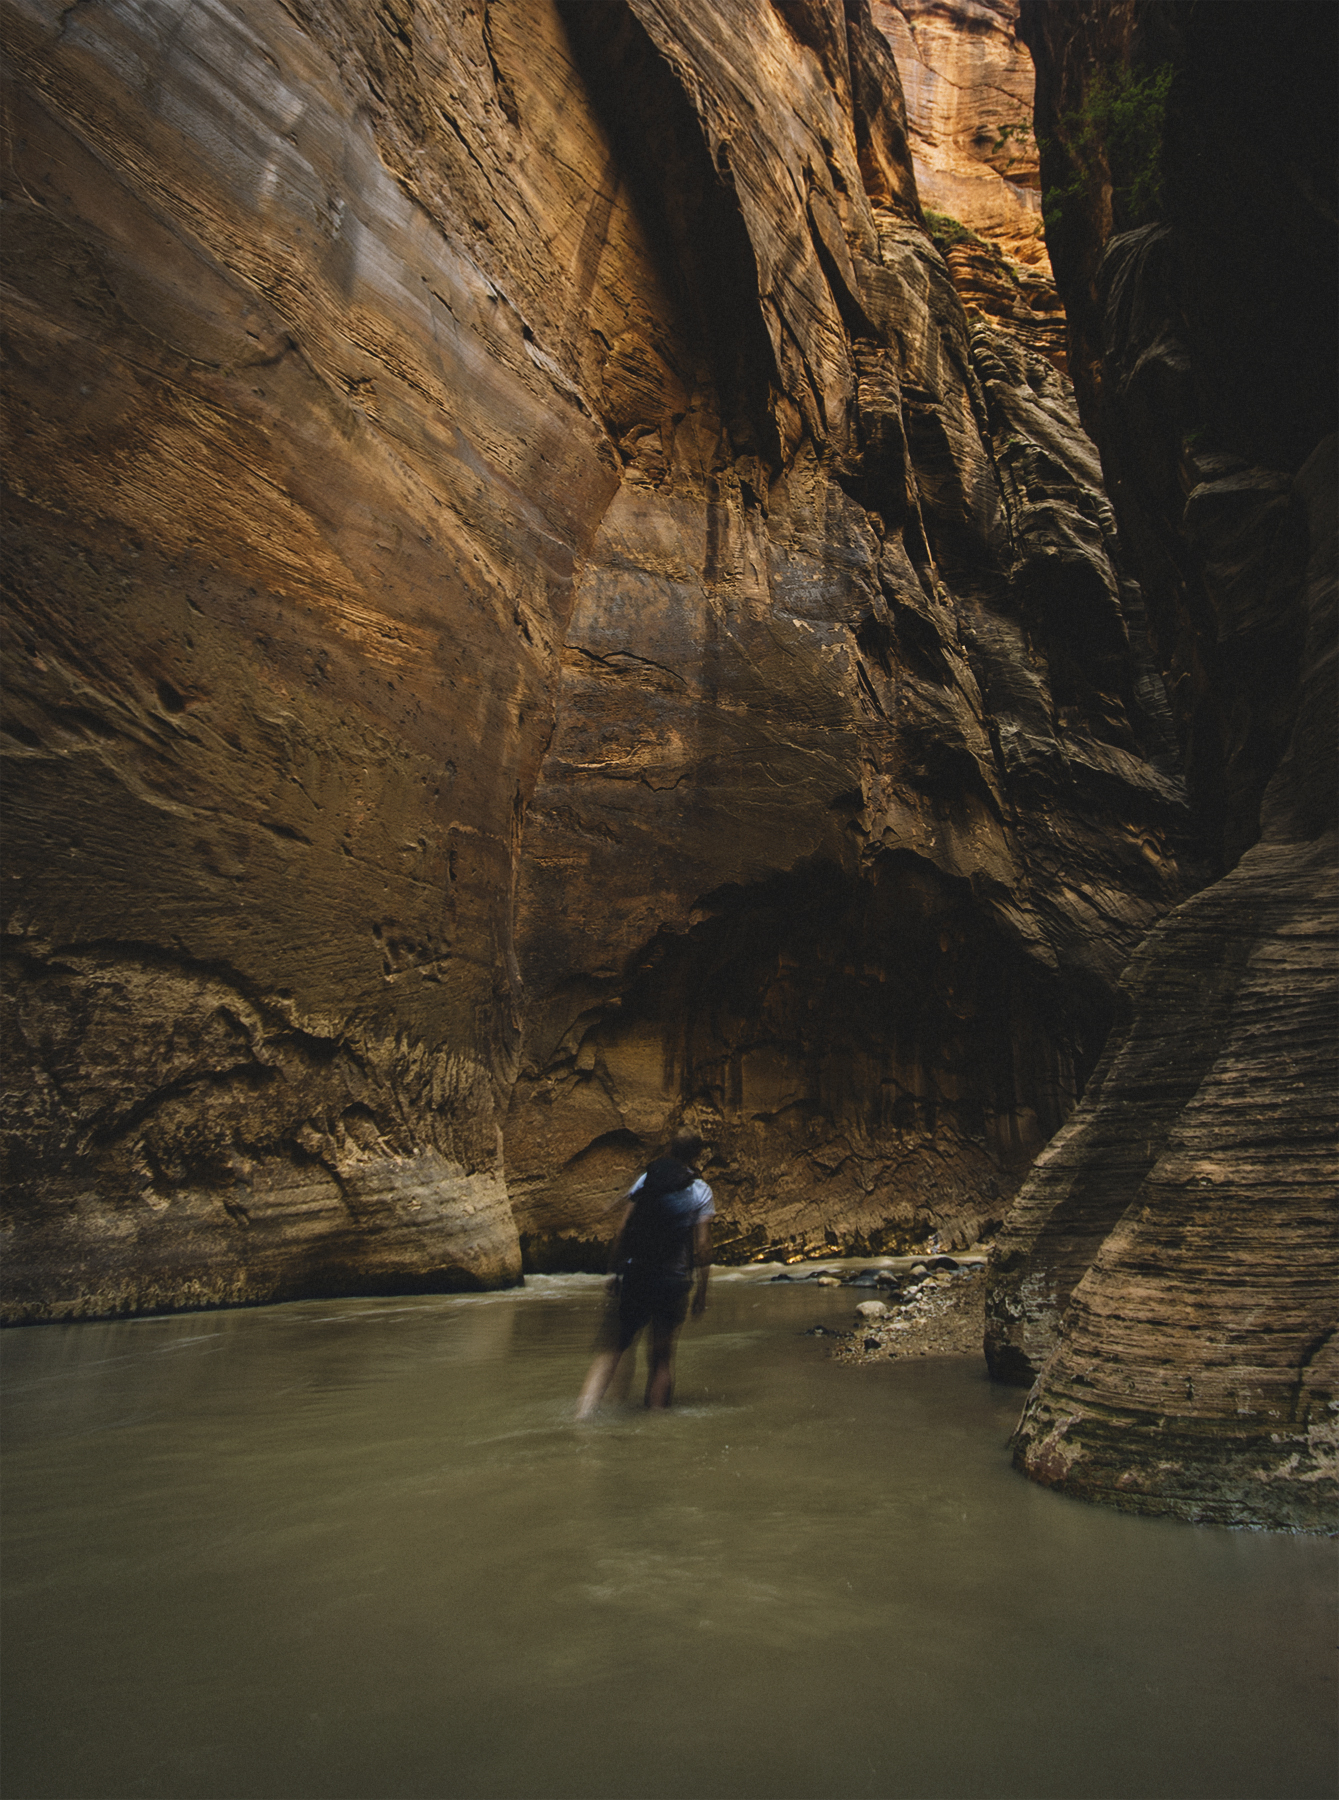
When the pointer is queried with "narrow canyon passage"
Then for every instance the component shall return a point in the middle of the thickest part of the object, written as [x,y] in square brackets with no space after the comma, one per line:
[351,1548]
[583,576]
[580,573]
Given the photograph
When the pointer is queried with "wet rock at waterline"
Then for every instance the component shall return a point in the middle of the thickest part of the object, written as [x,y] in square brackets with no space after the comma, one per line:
[534,618]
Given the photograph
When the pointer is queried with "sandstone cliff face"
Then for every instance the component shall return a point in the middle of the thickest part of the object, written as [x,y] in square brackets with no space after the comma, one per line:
[1169,1272]
[296,503]
[535,619]
[968,84]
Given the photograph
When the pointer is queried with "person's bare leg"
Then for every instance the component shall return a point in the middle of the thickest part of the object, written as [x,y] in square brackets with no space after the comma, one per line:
[601,1374]
[660,1381]
[620,1388]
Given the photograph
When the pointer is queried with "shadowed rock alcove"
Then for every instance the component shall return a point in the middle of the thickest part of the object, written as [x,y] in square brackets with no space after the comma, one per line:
[870,1061]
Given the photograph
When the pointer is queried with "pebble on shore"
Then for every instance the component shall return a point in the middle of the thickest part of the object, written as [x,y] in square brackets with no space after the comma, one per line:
[944,1316]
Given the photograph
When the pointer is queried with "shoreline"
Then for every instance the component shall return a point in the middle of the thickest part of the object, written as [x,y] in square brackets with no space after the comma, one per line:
[943,1315]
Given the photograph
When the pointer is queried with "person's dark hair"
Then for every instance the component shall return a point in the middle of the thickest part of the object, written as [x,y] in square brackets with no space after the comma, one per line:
[686,1148]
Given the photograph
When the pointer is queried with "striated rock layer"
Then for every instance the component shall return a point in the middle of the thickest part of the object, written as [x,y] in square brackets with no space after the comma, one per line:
[1168,1275]
[968,84]
[534,618]
[967,81]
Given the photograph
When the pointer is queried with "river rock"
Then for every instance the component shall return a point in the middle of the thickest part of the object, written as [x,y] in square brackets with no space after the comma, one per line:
[871,1309]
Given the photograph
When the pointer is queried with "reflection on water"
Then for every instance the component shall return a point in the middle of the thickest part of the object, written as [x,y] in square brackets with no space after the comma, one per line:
[359,1549]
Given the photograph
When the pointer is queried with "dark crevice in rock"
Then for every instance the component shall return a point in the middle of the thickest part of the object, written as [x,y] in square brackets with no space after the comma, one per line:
[692,221]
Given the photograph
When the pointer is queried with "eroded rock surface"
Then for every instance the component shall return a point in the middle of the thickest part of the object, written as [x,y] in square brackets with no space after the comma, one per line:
[296,500]
[968,83]
[1168,1274]
[535,618]
[803,702]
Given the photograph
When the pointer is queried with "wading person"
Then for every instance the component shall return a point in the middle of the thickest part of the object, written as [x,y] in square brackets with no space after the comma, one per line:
[662,1244]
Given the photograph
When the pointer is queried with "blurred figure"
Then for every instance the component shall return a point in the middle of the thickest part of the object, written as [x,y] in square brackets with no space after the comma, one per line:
[665,1236]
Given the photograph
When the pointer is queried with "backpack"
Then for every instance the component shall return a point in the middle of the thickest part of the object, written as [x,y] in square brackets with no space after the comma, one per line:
[656,1234]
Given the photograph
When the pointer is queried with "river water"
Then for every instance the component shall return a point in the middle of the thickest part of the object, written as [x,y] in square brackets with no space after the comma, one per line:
[360,1548]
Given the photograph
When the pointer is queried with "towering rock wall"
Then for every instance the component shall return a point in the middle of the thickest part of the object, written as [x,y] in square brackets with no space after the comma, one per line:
[968,81]
[295,503]
[1168,1274]
[535,618]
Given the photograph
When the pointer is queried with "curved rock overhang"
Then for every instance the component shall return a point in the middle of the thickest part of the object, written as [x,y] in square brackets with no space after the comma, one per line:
[535,616]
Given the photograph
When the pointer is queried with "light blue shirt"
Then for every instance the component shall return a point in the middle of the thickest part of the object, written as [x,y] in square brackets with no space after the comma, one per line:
[687,1207]
[691,1204]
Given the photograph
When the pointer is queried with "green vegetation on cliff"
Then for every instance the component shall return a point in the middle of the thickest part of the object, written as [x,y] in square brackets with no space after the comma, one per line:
[946,233]
[1116,134]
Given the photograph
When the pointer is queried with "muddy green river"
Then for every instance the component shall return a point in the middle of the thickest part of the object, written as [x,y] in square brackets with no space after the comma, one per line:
[360,1548]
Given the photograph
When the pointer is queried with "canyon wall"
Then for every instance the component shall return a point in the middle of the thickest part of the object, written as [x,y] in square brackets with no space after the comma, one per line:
[1168,1276]
[967,80]
[535,617]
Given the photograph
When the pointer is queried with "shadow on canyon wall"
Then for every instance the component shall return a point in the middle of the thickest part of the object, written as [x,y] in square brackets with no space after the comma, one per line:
[1168,1276]
[535,616]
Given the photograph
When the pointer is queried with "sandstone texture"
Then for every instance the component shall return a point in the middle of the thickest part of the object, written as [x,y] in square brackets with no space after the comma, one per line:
[1168,1276]
[779,873]
[967,80]
[534,617]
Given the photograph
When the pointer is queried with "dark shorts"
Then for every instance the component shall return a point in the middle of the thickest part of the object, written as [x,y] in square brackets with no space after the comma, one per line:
[651,1296]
